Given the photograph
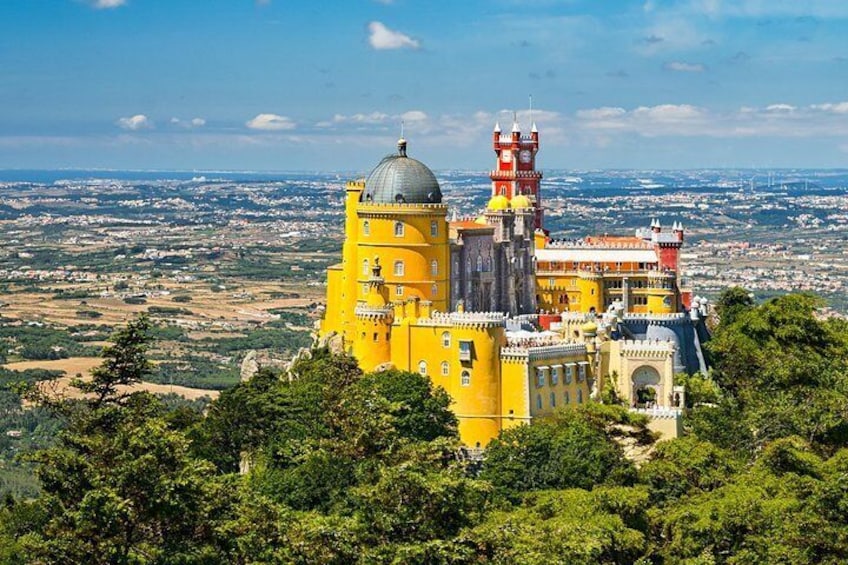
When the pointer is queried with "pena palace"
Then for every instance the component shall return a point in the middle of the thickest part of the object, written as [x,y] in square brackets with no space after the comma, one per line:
[511,323]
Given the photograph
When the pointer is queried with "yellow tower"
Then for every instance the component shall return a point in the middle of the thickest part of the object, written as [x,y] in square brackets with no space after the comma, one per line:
[661,297]
[591,285]
[372,342]
[402,221]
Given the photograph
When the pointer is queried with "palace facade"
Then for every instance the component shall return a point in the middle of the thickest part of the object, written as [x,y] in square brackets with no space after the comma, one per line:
[510,323]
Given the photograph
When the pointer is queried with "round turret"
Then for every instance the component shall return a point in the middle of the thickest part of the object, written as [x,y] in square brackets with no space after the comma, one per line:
[399,179]
[520,202]
[590,329]
[498,203]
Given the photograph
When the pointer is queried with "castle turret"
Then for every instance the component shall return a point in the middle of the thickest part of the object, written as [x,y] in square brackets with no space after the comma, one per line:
[372,342]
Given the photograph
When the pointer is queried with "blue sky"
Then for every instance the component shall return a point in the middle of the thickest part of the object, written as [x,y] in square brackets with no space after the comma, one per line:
[324,85]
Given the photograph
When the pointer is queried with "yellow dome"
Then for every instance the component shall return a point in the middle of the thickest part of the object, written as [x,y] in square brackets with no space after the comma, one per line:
[589,328]
[498,202]
[521,201]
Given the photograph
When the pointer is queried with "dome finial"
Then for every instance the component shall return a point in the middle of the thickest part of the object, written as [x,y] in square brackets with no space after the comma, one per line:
[401,142]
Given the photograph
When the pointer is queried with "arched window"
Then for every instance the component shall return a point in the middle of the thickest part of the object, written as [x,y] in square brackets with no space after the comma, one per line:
[399,290]
[445,339]
[422,367]
[398,229]
[366,228]
[567,397]
[553,400]
[579,396]
[479,264]
[465,379]
[366,267]
[434,228]
[434,290]
[434,267]
[445,368]
[538,401]
[399,268]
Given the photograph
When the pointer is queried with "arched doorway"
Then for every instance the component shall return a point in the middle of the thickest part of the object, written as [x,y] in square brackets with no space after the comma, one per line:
[647,390]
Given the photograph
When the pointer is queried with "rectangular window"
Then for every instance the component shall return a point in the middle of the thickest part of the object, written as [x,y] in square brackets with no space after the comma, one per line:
[399,290]
[554,375]
[581,372]
[569,373]
[434,228]
[464,350]
[399,268]
[540,377]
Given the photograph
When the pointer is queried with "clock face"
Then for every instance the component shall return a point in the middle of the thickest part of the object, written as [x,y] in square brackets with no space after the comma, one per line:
[525,156]
[506,156]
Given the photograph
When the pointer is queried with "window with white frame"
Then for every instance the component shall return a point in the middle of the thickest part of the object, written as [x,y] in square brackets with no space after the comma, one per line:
[446,339]
[465,378]
[422,367]
[434,267]
[366,270]
[399,268]
[434,228]
[464,350]
[366,228]
[569,373]
[399,290]
[540,377]
[445,368]
[434,290]
[554,375]
[398,229]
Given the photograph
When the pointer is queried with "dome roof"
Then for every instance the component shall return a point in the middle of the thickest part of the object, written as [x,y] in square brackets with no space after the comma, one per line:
[521,201]
[498,202]
[400,179]
[590,328]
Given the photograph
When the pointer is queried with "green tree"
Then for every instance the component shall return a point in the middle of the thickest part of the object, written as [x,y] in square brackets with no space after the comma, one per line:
[572,448]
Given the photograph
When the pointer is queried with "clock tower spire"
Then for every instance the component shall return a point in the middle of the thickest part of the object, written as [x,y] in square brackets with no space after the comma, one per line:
[515,167]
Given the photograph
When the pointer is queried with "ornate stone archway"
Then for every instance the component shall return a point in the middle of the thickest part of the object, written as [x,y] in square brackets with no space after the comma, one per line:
[647,386]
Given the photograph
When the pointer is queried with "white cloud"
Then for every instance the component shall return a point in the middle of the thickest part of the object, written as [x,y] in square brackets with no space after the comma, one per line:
[270,122]
[780,108]
[681,67]
[135,123]
[382,37]
[107,4]
[837,108]
[413,116]
[188,124]
[603,113]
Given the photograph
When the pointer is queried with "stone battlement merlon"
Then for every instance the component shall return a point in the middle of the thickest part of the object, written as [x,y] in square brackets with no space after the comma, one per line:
[656,319]
[465,319]
[553,351]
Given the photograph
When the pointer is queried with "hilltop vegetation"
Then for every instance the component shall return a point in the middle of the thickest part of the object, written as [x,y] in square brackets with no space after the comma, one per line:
[344,467]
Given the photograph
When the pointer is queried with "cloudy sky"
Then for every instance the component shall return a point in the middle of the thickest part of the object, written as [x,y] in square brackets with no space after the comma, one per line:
[324,85]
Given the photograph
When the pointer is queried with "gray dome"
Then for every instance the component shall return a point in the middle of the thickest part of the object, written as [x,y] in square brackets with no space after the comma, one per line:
[401,179]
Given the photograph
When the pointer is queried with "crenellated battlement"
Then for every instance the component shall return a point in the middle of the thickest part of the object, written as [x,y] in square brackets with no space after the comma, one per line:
[365,312]
[647,349]
[465,319]
[675,318]
[533,353]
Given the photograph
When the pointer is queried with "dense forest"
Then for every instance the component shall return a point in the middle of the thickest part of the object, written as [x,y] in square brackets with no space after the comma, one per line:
[329,465]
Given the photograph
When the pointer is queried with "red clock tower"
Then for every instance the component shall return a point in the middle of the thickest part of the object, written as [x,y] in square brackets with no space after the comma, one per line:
[515,172]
